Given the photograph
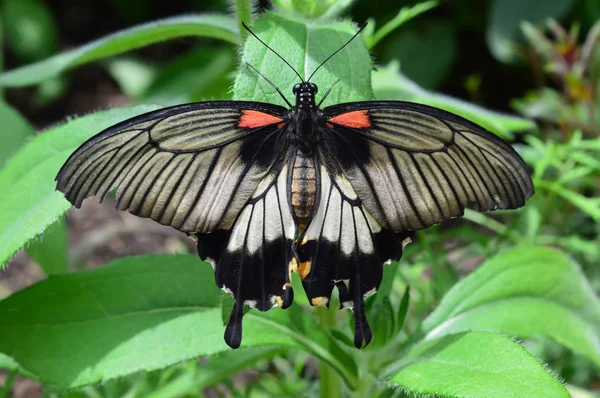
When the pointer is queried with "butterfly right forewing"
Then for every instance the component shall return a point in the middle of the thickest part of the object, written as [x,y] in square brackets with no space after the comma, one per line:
[414,166]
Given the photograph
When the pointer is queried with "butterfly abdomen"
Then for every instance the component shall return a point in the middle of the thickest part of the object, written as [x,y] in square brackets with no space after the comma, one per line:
[304,188]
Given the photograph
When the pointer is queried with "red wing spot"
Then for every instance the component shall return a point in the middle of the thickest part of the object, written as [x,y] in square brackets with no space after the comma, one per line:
[330,125]
[252,119]
[354,119]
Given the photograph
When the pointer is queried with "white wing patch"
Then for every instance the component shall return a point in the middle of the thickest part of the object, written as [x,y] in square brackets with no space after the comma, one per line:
[341,218]
[266,218]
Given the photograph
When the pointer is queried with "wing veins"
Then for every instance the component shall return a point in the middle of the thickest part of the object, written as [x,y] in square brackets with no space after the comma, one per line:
[518,194]
[249,165]
[203,186]
[481,179]
[134,178]
[138,154]
[151,185]
[176,186]
[497,181]
[449,181]
[428,186]
[404,187]
[112,167]
[363,171]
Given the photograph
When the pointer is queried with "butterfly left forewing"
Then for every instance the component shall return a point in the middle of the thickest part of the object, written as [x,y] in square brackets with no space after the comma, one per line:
[344,246]
[190,166]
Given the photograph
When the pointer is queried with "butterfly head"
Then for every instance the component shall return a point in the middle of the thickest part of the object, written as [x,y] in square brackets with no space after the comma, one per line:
[305,93]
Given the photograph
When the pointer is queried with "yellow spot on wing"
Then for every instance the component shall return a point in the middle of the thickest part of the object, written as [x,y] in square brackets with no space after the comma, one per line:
[293,265]
[319,301]
[304,269]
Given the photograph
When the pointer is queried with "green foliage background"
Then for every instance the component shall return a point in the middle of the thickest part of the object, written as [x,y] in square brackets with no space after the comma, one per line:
[496,305]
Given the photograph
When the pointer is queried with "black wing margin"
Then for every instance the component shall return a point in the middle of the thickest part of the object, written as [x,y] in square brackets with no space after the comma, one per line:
[414,166]
[192,166]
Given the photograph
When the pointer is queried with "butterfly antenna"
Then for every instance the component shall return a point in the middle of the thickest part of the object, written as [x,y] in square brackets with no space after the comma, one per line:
[271,83]
[327,92]
[337,51]
[274,52]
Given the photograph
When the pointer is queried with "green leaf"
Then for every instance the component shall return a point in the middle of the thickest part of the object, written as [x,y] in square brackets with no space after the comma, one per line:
[29,202]
[426,55]
[505,19]
[134,76]
[206,73]
[304,46]
[526,292]
[404,15]
[390,84]
[218,367]
[140,314]
[403,309]
[311,9]
[475,364]
[14,131]
[50,252]
[214,26]
[7,363]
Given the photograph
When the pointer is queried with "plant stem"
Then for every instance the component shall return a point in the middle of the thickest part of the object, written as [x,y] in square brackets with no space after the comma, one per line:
[330,382]
[405,15]
[243,10]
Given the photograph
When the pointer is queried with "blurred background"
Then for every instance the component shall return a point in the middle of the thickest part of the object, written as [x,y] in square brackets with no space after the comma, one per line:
[469,49]
[480,51]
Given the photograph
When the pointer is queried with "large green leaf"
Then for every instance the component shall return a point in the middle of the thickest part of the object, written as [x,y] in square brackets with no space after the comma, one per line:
[214,26]
[29,201]
[475,364]
[390,84]
[526,292]
[139,314]
[304,45]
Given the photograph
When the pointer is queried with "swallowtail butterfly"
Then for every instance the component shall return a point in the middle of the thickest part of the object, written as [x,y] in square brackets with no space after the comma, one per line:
[331,194]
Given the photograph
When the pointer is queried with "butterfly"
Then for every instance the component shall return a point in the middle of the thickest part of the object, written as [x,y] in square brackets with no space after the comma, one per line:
[332,194]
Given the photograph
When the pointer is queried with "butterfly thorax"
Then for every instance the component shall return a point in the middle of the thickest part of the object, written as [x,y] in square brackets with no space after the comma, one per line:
[305,116]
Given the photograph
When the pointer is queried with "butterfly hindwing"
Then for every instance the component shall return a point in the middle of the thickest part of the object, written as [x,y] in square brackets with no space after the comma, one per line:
[344,246]
[253,261]
[414,166]
[192,166]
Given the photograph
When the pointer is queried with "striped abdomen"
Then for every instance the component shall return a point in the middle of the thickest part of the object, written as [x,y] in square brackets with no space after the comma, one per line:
[304,188]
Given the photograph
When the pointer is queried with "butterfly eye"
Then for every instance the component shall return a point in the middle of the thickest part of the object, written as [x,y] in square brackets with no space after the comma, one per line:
[314,88]
[296,88]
